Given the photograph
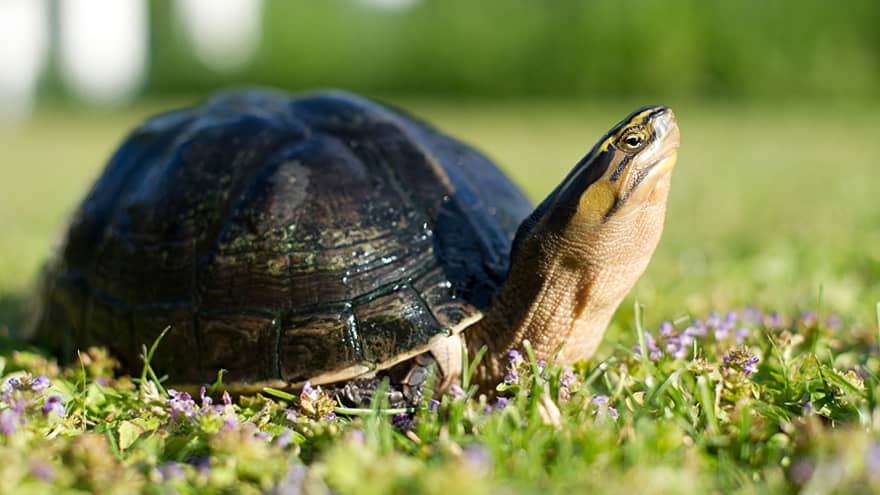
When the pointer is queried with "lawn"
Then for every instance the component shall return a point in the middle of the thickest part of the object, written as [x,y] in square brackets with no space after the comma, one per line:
[773,218]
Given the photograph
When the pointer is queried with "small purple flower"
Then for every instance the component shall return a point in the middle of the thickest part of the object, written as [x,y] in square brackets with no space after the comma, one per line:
[514,358]
[752,315]
[601,401]
[403,422]
[872,458]
[477,457]
[809,318]
[251,428]
[541,364]
[512,376]
[53,403]
[284,440]
[501,403]
[43,471]
[676,347]
[808,407]
[293,481]
[751,365]
[567,378]
[227,400]
[741,335]
[833,322]
[654,352]
[10,420]
[774,320]
[714,320]
[722,332]
[330,416]
[181,404]
[40,383]
[356,436]
[7,388]
[697,329]
[308,392]
[202,464]
[666,329]
[801,471]
[230,423]
[290,415]
[456,391]
[433,405]
[206,400]
[742,361]
[17,405]
[171,471]
[487,409]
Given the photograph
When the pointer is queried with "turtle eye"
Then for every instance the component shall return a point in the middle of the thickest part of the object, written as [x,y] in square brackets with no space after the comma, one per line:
[633,140]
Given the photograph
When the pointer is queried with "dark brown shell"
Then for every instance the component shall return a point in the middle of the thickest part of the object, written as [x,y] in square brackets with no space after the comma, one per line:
[281,238]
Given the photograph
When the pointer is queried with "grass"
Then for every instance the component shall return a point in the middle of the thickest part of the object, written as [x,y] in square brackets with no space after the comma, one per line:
[772,208]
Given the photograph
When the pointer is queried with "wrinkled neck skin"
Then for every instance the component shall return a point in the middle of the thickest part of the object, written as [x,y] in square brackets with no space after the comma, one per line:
[564,287]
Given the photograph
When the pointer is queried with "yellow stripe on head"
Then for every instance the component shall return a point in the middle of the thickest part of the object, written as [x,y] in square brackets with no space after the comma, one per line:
[613,176]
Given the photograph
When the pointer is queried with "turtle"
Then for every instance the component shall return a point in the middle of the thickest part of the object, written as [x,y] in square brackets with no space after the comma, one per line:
[327,238]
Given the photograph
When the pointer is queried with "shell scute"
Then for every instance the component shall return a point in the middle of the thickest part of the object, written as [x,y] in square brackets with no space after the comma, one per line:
[244,344]
[315,342]
[394,323]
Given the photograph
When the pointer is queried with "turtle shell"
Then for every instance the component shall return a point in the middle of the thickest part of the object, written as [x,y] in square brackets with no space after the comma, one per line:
[280,237]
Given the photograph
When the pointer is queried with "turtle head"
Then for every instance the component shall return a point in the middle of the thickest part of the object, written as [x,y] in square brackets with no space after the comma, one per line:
[625,174]
[583,249]
[627,171]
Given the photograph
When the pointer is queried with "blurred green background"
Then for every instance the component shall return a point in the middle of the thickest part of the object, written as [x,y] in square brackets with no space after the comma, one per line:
[774,200]
[556,49]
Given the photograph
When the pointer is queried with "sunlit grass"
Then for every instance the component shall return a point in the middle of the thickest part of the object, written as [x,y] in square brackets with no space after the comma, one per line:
[742,402]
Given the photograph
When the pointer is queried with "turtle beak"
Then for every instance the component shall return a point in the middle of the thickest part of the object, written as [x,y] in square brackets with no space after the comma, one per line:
[668,140]
[654,171]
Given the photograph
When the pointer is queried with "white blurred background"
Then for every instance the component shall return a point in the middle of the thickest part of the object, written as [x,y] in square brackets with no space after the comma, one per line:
[101,46]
